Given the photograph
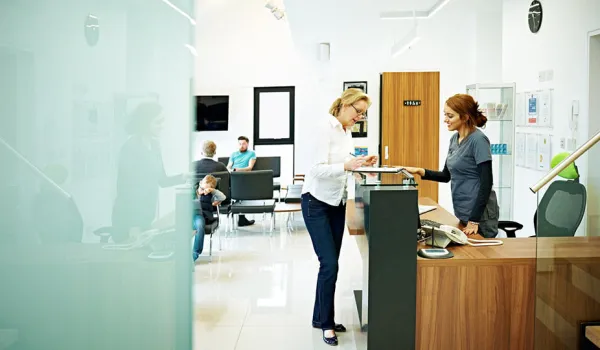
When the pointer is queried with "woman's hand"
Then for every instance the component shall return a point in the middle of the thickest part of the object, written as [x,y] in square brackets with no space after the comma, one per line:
[419,171]
[354,163]
[370,160]
[471,229]
[216,203]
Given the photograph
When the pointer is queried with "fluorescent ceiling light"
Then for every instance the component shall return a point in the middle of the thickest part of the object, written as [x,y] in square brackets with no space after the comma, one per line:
[180,11]
[414,14]
[437,7]
[409,40]
[403,14]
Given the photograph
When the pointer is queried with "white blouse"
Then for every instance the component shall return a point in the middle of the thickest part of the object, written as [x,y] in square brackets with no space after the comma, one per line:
[327,179]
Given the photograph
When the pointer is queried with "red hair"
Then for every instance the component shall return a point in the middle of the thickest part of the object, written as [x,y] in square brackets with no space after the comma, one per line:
[468,110]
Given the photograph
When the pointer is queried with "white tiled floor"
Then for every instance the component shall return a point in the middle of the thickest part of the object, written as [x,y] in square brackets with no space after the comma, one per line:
[258,293]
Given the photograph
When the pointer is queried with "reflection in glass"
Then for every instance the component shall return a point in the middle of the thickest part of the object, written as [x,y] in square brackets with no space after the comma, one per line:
[85,195]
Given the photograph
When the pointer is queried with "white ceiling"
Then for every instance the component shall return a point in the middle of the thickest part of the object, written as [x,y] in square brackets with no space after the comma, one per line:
[395,5]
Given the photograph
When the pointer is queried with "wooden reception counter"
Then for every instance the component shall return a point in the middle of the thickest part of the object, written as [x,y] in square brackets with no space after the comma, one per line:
[485,297]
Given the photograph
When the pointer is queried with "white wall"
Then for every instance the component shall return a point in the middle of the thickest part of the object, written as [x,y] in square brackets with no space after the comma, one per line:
[560,45]
[240,46]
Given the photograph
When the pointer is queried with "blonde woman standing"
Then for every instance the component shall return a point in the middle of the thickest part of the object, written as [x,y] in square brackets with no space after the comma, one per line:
[324,199]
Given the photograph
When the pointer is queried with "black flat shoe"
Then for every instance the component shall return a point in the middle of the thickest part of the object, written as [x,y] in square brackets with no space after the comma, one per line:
[333,341]
[338,328]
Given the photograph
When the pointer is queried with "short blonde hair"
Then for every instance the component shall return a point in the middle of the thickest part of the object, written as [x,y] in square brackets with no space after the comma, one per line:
[210,181]
[349,97]
[209,148]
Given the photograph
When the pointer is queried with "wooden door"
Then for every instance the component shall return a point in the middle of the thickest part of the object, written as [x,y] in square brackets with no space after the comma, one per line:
[410,133]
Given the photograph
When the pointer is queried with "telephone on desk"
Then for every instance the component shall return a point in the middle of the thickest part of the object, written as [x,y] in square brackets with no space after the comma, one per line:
[443,235]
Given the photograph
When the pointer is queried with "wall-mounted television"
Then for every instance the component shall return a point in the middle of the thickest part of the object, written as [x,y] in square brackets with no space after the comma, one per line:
[212,113]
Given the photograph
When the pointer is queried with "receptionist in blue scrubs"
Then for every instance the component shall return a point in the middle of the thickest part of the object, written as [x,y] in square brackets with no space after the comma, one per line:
[468,167]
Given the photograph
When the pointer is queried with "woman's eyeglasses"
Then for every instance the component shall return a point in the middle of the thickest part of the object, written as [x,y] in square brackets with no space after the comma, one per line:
[361,113]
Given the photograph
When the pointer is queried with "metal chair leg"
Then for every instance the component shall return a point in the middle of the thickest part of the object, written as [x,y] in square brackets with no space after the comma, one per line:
[210,247]
[220,245]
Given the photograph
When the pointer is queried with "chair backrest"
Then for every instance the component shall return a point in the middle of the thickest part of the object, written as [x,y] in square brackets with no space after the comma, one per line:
[247,185]
[224,160]
[269,163]
[561,209]
[223,182]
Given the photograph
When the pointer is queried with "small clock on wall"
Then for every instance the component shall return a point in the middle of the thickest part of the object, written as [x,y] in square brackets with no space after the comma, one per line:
[535,16]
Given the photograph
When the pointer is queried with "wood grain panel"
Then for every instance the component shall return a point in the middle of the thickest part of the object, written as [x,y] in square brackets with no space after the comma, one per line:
[411,133]
[475,307]
[567,294]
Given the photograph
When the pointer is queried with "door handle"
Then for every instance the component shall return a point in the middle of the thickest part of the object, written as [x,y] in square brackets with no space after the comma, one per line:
[387,153]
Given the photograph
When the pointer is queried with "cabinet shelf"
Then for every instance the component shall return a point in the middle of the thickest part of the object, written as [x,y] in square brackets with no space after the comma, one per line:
[500,129]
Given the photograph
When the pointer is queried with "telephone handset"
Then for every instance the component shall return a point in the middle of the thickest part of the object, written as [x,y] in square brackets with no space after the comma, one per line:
[444,235]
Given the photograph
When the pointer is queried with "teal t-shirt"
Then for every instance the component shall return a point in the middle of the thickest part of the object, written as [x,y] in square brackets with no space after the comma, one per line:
[242,160]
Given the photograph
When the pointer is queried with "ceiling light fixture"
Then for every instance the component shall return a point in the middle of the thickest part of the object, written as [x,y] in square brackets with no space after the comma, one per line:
[276,11]
[408,14]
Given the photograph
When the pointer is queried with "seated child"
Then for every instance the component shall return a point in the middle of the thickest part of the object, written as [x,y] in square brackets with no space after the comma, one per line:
[209,197]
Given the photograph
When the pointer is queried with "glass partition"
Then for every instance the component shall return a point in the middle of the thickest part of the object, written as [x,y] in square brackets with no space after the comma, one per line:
[567,267]
[95,124]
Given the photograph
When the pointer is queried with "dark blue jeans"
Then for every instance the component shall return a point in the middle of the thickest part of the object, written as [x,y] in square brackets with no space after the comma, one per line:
[325,224]
[199,237]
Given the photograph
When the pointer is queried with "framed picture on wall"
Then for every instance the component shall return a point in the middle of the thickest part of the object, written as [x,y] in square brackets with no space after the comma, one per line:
[356,85]
[360,128]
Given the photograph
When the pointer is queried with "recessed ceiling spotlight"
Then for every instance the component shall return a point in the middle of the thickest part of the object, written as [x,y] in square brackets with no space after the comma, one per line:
[276,11]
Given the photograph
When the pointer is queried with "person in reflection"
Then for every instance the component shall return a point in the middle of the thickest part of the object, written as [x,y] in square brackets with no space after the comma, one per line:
[469,166]
[140,174]
[242,160]
[324,196]
[207,197]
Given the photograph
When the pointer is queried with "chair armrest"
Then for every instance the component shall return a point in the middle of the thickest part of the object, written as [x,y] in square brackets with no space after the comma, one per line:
[510,228]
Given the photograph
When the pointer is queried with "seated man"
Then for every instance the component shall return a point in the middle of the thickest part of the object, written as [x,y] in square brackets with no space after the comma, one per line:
[209,197]
[242,160]
[207,164]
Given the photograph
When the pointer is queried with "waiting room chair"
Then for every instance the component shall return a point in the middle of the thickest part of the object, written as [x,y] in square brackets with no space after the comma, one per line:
[252,192]
[223,185]
[224,160]
[270,163]
[210,229]
[294,194]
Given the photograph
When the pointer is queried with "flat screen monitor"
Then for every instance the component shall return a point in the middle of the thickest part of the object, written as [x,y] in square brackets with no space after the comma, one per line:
[212,113]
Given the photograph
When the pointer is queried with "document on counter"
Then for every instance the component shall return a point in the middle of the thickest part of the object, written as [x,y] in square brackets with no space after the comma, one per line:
[426,208]
[377,170]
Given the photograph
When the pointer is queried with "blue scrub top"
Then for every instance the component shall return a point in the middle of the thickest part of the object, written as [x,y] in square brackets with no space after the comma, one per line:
[462,163]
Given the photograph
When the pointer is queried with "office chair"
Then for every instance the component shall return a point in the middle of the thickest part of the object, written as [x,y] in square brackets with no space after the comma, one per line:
[561,209]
